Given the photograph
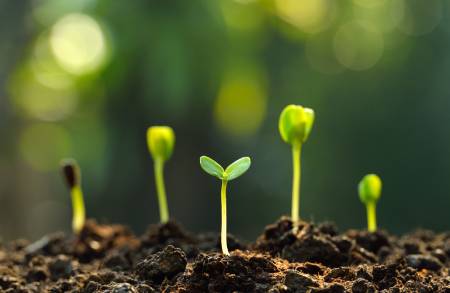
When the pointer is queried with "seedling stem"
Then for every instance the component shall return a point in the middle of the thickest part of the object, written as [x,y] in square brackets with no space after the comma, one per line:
[223,235]
[296,163]
[161,190]
[371,217]
[79,212]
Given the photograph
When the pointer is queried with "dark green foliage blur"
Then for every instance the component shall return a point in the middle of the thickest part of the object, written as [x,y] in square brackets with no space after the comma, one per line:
[85,79]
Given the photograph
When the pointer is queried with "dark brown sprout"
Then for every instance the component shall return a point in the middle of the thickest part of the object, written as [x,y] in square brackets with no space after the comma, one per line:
[71,172]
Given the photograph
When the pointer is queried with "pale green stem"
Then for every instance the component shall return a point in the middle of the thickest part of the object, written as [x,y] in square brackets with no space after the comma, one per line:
[161,191]
[371,217]
[296,176]
[223,234]
[79,213]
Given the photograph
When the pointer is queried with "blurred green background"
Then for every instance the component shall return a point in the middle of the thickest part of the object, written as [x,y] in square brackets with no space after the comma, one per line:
[85,79]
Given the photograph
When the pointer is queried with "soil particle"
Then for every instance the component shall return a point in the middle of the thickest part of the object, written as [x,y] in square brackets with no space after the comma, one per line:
[37,274]
[314,249]
[419,262]
[123,288]
[321,244]
[164,264]
[96,240]
[310,268]
[384,276]
[299,282]
[362,286]
[242,271]
[60,267]
[344,273]
[117,261]
[372,242]
[363,272]
[333,288]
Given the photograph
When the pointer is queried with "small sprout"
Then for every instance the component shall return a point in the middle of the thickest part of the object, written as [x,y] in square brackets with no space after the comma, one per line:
[369,189]
[233,171]
[295,125]
[72,175]
[160,141]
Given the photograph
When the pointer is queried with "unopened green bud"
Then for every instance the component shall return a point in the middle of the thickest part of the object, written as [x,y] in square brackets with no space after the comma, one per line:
[160,140]
[370,188]
[295,124]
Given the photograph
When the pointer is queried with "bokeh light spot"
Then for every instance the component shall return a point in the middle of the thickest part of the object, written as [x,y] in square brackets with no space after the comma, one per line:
[43,145]
[358,45]
[36,100]
[320,54]
[45,68]
[240,106]
[369,3]
[78,43]
[248,17]
[420,17]
[310,16]
[384,15]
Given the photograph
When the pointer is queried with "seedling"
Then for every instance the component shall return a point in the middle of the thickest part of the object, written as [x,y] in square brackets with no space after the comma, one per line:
[295,125]
[233,171]
[160,141]
[72,175]
[369,192]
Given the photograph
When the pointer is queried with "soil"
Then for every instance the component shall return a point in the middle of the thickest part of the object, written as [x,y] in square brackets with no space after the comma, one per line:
[167,258]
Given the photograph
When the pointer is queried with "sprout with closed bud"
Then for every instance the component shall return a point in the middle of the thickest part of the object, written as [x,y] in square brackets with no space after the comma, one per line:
[295,125]
[369,189]
[160,141]
[233,171]
[72,175]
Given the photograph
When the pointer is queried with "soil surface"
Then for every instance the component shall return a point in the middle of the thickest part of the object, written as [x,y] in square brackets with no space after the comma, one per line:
[306,258]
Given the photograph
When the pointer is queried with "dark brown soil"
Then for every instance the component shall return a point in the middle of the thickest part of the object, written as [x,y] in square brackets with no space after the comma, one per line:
[309,258]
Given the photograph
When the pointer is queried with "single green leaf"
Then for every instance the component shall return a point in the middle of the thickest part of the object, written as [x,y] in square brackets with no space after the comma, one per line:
[211,167]
[237,168]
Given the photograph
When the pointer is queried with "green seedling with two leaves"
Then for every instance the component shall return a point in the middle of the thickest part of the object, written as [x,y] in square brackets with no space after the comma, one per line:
[233,171]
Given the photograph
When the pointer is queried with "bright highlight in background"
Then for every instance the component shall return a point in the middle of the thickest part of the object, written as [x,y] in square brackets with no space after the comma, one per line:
[241,105]
[310,16]
[358,45]
[35,100]
[78,43]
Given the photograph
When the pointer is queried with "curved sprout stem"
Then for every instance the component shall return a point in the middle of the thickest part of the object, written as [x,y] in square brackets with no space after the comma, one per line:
[223,234]
[161,190]
[79,213]
[296,176]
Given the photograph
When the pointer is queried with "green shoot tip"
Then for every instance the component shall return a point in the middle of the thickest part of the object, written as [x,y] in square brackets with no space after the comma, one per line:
[370,188]
[295,124]
[160,141]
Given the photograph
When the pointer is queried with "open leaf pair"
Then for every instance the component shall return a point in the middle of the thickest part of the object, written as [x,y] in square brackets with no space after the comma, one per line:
[233,171]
